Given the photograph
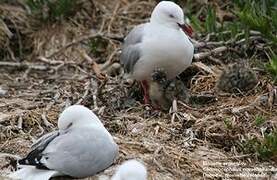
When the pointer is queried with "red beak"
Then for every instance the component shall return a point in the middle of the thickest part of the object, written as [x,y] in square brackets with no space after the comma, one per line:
[186,28]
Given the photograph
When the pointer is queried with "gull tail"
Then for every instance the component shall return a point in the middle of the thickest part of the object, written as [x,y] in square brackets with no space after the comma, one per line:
[32,173]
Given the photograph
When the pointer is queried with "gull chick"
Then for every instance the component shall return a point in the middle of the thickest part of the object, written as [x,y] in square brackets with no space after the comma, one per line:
[160,43]
[80,148]
[131,170]
[162,91]
[237,77]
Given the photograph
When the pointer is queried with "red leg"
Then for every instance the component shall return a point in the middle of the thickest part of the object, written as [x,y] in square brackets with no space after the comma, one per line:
[145,88]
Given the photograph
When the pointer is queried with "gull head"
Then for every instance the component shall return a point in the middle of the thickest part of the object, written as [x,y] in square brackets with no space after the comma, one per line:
[76,116]
[131,170]
[170,14]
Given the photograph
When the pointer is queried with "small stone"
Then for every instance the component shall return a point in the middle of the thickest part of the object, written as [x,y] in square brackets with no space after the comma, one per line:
[3,90]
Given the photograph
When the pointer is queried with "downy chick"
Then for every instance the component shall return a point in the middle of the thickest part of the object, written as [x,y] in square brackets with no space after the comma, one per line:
[237,77]
[163,91]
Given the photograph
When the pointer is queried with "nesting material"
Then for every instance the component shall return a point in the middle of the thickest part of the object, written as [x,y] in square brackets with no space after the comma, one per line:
[5,34]
[237,77]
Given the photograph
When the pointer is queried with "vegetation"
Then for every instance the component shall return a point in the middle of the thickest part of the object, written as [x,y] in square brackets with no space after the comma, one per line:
[271,67]
[265,148]
[51,10]
[259,120]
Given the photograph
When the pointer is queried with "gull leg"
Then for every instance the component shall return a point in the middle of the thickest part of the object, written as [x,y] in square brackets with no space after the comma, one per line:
[145,88]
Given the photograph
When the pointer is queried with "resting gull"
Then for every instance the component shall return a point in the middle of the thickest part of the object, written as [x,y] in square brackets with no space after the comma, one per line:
[80,148]
[160,43]
[131,170]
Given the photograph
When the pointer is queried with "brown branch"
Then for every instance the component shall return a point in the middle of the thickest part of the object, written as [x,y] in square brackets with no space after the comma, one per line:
[81,39]
[24,65]
[203,55]
[87,89]
[95,66]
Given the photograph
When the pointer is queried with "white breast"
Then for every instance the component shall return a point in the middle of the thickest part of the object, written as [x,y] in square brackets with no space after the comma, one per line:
[165,48]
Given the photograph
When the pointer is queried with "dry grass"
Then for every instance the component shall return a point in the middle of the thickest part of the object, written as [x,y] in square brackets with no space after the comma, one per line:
[172,145]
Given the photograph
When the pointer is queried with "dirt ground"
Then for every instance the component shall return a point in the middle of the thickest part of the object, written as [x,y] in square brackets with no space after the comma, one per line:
[57,65]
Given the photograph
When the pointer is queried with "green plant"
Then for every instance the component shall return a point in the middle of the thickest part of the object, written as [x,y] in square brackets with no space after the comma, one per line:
[258,15]
[271,67]
[259,120]
[227,123]
[210,22]
[51,10]
[268,148]
[265,148]
[97,46]
[196,24]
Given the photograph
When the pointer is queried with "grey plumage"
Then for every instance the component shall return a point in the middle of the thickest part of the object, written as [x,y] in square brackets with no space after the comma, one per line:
[44,140]
[77,162]
[35,156]
[81,147]
[131,51]
[72,152]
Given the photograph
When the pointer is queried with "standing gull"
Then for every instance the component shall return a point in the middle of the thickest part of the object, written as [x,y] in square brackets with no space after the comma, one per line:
[81,147]
[131,170]
[161,43]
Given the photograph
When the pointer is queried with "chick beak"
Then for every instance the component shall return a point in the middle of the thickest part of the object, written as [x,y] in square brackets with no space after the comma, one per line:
[186,28]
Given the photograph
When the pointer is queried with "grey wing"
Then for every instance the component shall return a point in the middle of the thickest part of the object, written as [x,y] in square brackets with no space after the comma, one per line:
[81,153]
[131,51]
[45,139]
[34,157]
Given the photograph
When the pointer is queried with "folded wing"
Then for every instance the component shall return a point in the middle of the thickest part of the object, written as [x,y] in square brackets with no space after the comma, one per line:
[131,51]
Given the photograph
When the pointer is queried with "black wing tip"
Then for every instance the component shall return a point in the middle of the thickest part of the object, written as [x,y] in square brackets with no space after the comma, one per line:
[23,161]
[37,164]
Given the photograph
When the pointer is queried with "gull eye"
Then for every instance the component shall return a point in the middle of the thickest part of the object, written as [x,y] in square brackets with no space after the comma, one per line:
[171,16]
[69,125]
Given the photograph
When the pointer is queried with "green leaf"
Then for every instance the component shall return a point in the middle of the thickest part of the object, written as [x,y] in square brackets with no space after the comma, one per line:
[196,24]
[272,67]
[210,22]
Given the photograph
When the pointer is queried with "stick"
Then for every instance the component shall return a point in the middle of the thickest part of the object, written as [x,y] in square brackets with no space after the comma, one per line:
[83,38]
[87,88]
[203,55]
[24,65]
[48,107]
[95,66]
[9,155]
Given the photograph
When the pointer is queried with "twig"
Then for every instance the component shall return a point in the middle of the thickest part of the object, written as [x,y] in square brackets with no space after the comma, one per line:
[113,16]
[5,28]
[203,55]
[9,155]
[48,107]
[20,121]
[95,66]
[19,39]
[54,62]
[204,67]
[109,61]
[83,38]
[188,107]
[87,88]
[24,65]
[94,85]
[45,121]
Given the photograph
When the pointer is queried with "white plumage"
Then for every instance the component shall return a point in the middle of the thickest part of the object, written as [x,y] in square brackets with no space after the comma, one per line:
[81,147]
